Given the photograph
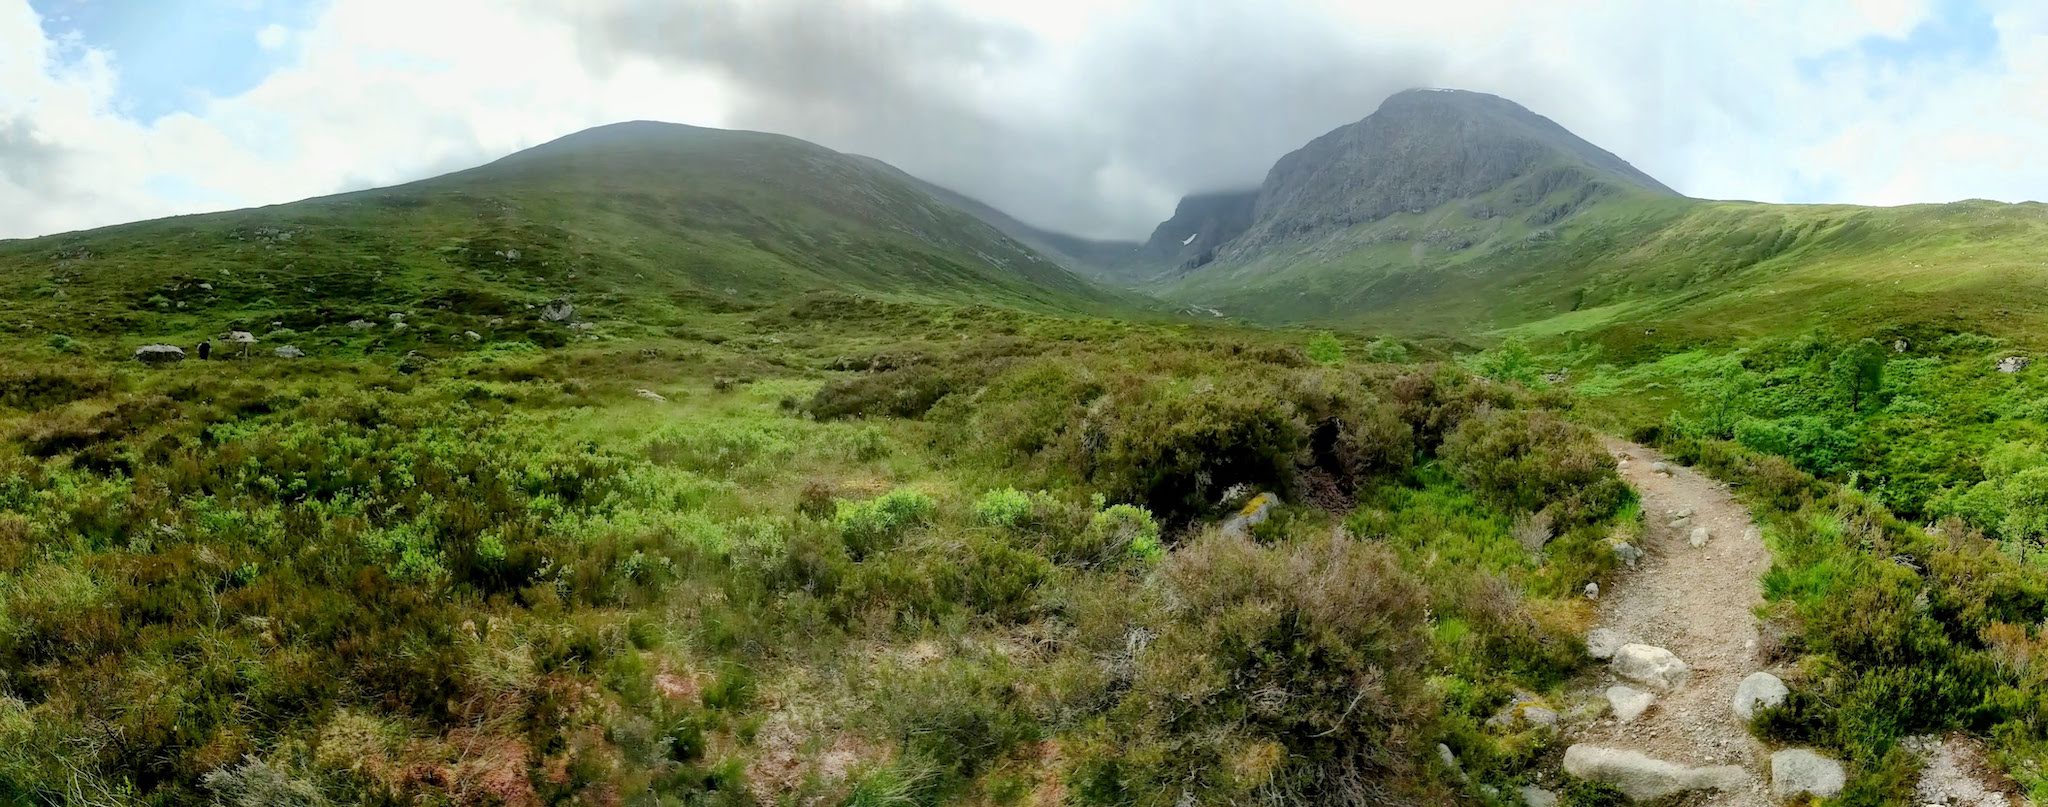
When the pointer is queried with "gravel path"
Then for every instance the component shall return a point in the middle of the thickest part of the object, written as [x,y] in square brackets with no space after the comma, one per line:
[1699,603]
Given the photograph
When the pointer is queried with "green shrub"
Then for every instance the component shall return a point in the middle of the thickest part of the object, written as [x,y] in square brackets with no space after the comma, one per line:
[1326,348]
[874,525]
[1525,461]
[1004,507]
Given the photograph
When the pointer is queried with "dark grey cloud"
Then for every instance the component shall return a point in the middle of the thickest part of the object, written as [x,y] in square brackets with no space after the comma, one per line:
[1164,98]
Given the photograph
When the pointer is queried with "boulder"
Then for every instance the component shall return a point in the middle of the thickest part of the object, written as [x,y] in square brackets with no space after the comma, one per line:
[1533,796]
[1252,514]
[557,311]
[650,395]
[1650,666]
[1628,703]
[2013,364]
[1796,771]
[159,354]
[361,324]
[289,352]
[1540,717]
[1643,778]
[472,336]
[1601,643]
[1759,690]
[1699,538]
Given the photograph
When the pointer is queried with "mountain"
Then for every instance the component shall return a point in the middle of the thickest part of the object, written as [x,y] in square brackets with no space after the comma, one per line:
[636,220]
[1459,213]
[1104,260]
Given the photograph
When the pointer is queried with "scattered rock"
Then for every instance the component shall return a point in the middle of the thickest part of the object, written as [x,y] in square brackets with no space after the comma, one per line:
[205,286]
[1651,666]
[1534,796]
[1683,512]
[650,395]
[1525,708]
[472,336]
[557,311]
[1759,690]
[1602,643]
[159,354]
[2013,364]
[1252,514]
[361,324]
[397,316]
[1699,538]
[1628,703]
[1661,468]
[1796,771]
[1901,346]
[584,327]
[289,352]
[1540,716]
[1643,778]
[1593,591]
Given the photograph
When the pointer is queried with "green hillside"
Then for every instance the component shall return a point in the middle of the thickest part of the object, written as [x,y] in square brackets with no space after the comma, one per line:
[1690,269]
[629,223]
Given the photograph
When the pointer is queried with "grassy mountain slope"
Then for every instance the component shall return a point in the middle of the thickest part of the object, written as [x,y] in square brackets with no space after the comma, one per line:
[1683,267]
[1105,260]
[631,221]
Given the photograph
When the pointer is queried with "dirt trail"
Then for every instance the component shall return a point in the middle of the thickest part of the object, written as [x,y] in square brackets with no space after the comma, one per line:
[1699,603]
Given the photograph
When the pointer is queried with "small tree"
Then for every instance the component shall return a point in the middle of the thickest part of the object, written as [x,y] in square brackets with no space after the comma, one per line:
[1859,372]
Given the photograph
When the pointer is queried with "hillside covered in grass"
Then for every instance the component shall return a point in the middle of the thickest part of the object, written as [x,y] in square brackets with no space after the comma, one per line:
[628,223]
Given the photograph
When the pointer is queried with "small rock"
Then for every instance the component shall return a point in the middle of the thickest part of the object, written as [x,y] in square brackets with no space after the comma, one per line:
[650,395]
[1901,346]
[1796,771]
[1759,690]
[289,352]
[1628,703]
[159,354]
[558,311]
[1627,553]
[361,324]
[1450,760]
[397,316]
[1602,643]
[1540,717]
[1534,796]
[1651,666]
[472,336]
[1642,778]
[2013,364]
[1699,538]
[1593,591]
[1660,467]
[1683,512]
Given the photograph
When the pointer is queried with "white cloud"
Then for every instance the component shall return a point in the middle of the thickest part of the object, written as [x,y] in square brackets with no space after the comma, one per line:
[1091,116]
[272,36]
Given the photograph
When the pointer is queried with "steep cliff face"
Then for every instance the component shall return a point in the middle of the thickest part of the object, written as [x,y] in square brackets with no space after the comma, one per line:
[1201,225]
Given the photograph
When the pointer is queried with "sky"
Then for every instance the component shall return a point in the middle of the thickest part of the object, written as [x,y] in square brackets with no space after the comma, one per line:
[1087,116]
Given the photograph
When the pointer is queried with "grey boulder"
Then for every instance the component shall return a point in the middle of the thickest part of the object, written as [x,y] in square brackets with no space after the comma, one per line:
[1650,666]
[1644,778]
[1759,690]
[1796,771]
[159,354]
